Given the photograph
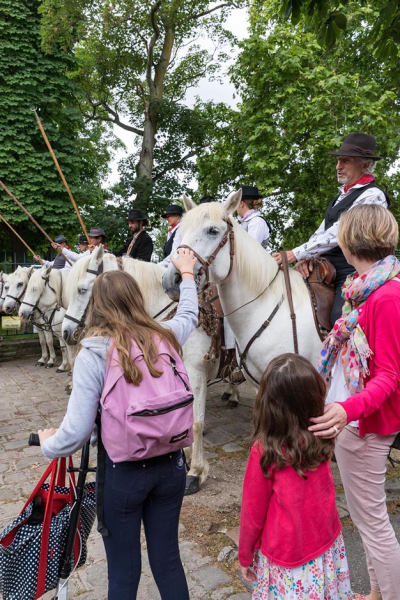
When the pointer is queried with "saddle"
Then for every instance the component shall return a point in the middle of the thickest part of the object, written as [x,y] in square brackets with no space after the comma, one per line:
[320,284]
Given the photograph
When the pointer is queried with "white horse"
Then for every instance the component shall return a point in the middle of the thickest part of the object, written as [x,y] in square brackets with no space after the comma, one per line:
[250,286]
[149,277]
[44,304]
[15,289]
[3,281]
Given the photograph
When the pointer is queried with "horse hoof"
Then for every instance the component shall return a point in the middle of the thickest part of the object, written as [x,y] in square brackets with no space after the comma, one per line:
[39,364]
[49,366]
[232,404]
[60,371]
[192,485]
[225,396]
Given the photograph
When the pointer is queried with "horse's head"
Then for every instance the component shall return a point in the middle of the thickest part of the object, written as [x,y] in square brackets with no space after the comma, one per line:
[80,285]
[15,288]
[207,230]
[3,281]
[42,292]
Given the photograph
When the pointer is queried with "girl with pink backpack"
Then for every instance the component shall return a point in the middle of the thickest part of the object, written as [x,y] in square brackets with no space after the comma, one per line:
[130,368]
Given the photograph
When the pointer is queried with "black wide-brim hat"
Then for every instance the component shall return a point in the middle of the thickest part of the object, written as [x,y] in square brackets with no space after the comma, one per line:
[97,232]
[358,144]
[82,239]
[250,192]
[136,215]
[173,209]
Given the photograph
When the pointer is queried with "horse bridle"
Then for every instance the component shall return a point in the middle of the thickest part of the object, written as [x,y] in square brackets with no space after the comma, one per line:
[229,235]
[81,321]
[18,299]
[48,321]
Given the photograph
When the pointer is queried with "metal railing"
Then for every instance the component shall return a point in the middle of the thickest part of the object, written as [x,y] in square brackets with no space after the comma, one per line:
[11,262]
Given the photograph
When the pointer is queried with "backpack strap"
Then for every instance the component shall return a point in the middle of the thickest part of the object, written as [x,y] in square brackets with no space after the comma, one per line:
[101,473]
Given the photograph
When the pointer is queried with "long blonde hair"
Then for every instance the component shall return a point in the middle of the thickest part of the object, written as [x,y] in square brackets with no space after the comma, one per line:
[117,310]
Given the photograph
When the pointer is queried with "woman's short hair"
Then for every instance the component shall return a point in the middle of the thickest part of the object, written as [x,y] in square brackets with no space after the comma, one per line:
[369,232]
[253,203]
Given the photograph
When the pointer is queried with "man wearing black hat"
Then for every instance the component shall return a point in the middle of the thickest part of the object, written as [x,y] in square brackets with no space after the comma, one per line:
[140,245]
[59,262]
[355,165]
[173,215]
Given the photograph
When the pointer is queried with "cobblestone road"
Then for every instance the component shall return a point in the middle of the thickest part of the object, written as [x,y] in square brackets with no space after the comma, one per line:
[33,397]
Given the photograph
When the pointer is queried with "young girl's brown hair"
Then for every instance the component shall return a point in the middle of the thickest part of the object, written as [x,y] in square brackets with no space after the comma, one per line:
[117,310]
[291,392]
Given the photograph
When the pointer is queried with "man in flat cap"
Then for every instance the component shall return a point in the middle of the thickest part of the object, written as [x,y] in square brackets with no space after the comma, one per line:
[173,215]
[59,262]
[355,166]
[140,245]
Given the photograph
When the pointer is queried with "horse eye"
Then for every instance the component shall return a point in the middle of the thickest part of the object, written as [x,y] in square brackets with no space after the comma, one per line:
[81,290]
[213,231]
[20,283]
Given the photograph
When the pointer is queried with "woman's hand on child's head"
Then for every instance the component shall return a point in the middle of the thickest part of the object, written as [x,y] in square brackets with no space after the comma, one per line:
[331,423]
[45,433]
[248,574]
[185,262]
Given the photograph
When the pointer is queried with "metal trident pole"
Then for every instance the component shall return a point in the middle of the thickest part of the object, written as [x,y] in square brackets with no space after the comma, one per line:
[61,173]
[32,219]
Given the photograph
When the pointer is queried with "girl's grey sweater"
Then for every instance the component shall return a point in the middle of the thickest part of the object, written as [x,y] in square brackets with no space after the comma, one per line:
[89,373]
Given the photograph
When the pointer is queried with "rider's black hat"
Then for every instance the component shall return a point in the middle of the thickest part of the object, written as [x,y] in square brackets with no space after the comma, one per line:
[136,215]
[82,239]
[173,209]
[60,239]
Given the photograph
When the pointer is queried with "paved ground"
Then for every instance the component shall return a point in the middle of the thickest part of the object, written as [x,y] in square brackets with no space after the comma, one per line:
[32,397]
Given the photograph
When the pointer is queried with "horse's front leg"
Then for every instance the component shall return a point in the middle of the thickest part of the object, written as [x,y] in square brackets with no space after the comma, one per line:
[42,360]
[49,341]
[198,466]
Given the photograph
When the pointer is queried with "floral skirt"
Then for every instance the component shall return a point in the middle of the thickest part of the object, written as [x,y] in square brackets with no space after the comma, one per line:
[324,578]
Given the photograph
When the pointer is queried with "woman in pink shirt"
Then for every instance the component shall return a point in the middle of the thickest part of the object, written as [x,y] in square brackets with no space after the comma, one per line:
[360,362]
[290,531]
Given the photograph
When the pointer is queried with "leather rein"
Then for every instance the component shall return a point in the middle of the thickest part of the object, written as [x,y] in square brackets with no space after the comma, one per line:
[204,269]
[48,321]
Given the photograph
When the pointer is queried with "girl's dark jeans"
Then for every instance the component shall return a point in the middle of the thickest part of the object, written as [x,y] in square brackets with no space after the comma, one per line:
[150,491]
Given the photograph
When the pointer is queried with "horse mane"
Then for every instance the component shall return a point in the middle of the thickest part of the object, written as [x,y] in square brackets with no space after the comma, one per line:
[148,275]
[36,281]
[255,274]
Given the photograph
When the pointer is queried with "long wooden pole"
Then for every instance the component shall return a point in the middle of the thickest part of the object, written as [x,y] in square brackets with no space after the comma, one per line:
[7,191]
[17,234]
[61,174]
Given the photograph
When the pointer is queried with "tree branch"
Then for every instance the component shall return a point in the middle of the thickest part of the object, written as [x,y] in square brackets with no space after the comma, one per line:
[152,43]
[208,12]
[177,163]
[116,120]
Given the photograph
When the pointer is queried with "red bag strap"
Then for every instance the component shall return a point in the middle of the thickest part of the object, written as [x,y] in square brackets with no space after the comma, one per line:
[41,481]
[48,513]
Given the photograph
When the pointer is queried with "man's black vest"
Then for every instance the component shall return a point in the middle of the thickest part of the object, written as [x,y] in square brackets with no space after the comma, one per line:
[59,262]
[169,243]
[332,215]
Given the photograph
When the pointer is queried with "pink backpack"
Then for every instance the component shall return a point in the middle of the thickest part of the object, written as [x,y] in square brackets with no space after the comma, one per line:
[151,419]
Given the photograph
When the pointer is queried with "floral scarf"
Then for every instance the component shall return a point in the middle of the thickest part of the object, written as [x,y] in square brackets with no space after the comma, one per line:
[347,338]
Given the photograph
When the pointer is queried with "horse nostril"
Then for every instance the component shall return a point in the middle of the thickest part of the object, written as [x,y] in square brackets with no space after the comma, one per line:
[65,335]
[177,278]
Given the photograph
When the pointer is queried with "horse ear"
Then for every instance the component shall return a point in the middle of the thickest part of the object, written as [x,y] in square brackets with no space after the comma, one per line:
[188,203]
[232,202]
[100,253]
[30,271]
[48,270]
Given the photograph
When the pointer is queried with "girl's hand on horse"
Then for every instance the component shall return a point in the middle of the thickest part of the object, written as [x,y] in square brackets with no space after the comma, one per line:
[185,262]
[331,423]
[248,574]
[45,433]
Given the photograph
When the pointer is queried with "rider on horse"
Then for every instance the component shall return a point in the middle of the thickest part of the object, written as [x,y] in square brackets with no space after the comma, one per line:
[355,165]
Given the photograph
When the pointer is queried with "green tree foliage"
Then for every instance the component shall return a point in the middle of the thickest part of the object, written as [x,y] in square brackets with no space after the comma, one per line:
[329,19]
[136,62]
[30,78]
[299,101]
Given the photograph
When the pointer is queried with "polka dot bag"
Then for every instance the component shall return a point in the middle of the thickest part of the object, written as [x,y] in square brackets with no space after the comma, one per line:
[31,547]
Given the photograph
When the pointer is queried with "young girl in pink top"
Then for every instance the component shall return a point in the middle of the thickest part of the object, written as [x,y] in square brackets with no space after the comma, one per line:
[290,544]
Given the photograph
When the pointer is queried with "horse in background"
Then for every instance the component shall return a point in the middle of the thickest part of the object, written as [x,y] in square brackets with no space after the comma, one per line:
[44,304]
[149,278]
